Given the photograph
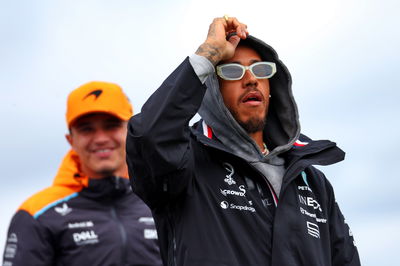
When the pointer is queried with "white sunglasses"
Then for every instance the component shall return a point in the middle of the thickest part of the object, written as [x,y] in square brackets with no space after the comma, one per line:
[234,71]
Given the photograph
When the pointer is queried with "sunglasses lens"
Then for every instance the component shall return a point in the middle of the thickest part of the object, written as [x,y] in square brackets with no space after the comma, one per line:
[232,71]
[262,70]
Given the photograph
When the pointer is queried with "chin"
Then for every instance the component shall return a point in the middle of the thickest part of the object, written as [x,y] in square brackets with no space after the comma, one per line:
[107,171]
[254,124]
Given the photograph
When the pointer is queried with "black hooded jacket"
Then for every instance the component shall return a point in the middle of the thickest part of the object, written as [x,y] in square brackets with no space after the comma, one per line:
[212,207]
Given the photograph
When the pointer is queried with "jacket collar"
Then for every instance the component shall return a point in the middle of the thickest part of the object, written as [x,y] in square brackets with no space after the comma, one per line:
[70,175]
[304,151]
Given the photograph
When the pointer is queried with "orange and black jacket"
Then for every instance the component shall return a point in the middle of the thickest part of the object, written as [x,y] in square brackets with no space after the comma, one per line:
[82,221]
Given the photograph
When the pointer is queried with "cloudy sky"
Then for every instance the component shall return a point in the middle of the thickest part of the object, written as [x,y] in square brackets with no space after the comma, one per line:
[343,56]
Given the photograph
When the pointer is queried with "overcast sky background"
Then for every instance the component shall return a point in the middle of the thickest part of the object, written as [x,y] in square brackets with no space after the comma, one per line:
[343,56]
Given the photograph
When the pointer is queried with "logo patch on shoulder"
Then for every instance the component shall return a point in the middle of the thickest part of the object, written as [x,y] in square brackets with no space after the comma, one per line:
[64,210]
[299,143]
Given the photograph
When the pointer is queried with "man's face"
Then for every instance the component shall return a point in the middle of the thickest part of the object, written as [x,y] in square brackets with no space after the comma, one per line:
[247,99]
[99,141]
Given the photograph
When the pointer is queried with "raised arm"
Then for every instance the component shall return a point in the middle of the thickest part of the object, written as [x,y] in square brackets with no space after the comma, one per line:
[158,143]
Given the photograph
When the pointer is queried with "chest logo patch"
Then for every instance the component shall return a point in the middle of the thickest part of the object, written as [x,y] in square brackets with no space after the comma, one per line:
[63,210]
[85,237]
[229,180]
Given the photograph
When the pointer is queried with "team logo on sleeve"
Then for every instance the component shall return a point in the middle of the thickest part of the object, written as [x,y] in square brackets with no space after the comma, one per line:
[11,246]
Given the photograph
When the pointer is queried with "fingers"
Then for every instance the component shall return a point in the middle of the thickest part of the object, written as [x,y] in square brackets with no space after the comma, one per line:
[222,39]
[232,24]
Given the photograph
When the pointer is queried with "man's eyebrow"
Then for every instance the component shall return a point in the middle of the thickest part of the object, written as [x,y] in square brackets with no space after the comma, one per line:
[81,124]
[251,61]
[114,120]
[255,60]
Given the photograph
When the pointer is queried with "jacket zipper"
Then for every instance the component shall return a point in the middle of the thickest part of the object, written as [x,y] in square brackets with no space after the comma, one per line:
[172,244]
[172,247]
[271,189]
[123,234]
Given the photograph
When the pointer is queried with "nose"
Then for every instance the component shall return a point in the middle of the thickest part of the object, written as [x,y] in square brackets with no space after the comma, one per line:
[249,80]
[100,136]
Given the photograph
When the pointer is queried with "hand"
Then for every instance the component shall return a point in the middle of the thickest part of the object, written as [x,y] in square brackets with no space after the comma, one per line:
[216,48]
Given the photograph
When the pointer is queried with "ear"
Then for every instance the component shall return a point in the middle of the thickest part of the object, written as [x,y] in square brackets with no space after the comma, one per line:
[69,139]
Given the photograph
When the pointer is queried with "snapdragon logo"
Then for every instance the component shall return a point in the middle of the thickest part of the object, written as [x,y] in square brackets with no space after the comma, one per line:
[242,208]
[225,205]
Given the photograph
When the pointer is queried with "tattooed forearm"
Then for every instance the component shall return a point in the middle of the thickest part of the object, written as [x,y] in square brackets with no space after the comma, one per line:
[210,52]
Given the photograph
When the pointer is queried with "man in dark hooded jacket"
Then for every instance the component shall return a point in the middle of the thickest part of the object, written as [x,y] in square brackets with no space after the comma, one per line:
[239,187]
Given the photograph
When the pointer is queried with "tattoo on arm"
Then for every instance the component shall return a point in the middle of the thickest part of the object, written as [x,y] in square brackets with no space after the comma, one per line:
[210,52]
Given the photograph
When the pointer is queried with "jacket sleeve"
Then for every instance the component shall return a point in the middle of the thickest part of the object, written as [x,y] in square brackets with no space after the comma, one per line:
[344,250]
[158,142]
[28,243]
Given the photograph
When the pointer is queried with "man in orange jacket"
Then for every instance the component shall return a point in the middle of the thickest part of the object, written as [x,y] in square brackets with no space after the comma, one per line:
[89,216]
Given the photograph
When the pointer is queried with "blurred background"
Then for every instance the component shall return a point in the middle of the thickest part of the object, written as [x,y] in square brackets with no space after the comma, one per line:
[343,56]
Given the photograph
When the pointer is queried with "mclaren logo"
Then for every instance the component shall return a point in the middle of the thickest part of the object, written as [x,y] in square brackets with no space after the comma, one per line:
[96,94]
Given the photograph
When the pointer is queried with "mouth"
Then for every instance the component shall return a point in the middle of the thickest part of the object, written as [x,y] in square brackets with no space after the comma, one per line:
[103,153]
[253,97]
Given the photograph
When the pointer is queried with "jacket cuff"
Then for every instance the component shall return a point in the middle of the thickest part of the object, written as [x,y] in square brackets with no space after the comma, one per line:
[202,66]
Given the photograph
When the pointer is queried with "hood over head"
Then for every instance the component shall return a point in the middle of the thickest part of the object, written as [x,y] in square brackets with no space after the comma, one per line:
[282,127]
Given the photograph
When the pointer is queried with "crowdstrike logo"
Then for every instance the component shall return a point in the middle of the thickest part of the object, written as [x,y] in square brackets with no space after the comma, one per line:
[240,193]
[96,94]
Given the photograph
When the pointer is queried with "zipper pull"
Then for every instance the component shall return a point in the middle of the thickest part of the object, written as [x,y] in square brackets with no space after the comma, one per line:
[117,181]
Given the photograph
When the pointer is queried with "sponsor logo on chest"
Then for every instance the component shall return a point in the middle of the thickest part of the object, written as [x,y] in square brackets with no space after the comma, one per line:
[232,193]
[310,208]
[85,237]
